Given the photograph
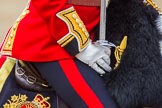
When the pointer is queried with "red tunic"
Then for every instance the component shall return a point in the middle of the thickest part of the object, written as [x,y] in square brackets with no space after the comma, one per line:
[34,35]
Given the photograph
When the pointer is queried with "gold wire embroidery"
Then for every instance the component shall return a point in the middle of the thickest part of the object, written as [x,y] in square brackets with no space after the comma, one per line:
[20,101]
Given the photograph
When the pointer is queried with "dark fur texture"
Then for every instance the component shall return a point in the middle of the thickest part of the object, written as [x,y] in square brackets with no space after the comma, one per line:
[137,82]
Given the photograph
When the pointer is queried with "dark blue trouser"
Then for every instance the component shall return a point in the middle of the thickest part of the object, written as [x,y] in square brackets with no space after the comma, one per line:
[12,93]
[76,83]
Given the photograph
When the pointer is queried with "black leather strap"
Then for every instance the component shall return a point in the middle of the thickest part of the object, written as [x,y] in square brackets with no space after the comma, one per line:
[28,77]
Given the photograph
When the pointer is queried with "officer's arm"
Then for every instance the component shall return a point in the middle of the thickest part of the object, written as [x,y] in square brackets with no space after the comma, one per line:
[72,35]
[48,9]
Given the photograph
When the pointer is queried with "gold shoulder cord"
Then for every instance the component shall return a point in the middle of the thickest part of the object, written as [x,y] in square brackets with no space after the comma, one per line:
[150,2]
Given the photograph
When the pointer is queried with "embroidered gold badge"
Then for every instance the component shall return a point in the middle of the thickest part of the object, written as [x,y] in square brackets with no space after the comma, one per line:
[21,101]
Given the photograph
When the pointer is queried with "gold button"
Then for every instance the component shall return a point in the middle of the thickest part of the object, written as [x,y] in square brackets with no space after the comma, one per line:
[77,20]
[24,13]
[81,25]
[18,20]
[74,16]
[27,11]
[86,33]
[83,29]
[11,35]
[9,43]
[14,27]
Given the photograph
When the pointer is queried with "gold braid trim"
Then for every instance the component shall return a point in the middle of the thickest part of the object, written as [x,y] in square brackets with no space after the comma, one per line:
[5,70]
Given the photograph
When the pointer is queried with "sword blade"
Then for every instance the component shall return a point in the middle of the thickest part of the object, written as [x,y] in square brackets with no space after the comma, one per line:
[102,34]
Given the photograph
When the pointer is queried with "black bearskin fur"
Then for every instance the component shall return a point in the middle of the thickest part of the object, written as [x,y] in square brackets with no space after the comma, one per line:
[137,82]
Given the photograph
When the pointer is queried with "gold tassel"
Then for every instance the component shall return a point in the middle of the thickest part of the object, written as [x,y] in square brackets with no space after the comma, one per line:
[119,50]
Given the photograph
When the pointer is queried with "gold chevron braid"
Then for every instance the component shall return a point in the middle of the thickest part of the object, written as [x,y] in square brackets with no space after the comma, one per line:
[150,2]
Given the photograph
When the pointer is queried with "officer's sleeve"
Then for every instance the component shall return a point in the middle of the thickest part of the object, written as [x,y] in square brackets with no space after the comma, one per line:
[48,9]
[64,24]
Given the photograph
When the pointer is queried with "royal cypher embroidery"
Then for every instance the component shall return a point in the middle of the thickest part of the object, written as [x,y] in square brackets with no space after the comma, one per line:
[21,101]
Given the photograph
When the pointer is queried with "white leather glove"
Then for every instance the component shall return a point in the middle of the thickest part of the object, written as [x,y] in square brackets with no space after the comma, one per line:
[97,57]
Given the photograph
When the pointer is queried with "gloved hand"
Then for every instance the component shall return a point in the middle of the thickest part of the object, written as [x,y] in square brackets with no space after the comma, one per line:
[97,57]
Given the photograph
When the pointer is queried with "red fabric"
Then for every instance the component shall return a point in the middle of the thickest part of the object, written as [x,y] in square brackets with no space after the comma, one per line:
[79,84]
[37,33]
[2,60]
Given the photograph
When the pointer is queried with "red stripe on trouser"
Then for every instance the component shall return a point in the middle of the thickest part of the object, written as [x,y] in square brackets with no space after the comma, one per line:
[79,84]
